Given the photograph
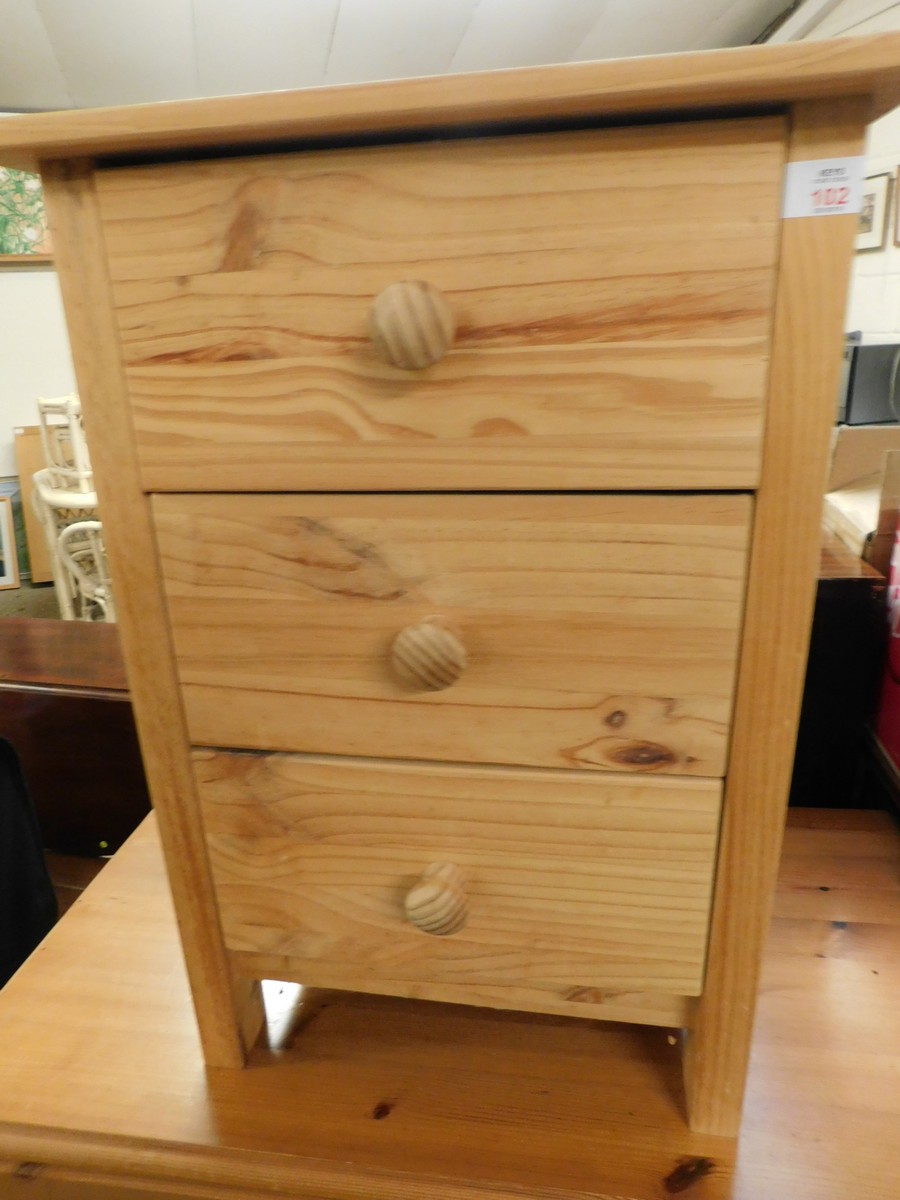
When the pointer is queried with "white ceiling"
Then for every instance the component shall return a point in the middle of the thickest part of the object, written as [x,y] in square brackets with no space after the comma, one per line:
[88,53]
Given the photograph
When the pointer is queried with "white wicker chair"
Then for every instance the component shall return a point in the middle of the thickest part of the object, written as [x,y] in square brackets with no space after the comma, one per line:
[66,504]
[57,508]
[65,447]
[83,556]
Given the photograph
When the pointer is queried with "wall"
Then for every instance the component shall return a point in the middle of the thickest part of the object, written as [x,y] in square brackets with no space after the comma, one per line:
[34,351]
[874,306]
[852,18]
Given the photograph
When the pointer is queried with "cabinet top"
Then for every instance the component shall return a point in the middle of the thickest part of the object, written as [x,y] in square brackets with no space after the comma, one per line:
[749,77]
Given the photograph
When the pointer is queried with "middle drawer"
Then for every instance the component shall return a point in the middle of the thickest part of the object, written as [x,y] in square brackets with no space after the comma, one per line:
[596,631]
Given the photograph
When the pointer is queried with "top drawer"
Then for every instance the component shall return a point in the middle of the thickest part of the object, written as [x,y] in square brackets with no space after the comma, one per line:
[610,291]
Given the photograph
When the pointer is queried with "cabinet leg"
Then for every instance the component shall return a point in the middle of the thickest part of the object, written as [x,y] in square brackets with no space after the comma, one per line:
[803,381]
[250,1010]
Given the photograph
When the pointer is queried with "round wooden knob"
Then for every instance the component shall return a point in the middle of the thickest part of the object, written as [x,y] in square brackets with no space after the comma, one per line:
[436,903]
[411,325]
[428,657]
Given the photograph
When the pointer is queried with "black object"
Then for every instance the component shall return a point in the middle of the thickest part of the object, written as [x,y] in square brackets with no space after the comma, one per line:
[843,675]
[870,389]
[28,908]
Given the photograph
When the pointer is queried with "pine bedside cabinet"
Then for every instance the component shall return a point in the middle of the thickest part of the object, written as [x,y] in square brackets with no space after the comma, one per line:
[460,445]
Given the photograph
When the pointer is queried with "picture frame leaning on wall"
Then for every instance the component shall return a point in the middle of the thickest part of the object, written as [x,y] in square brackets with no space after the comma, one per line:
[9,565]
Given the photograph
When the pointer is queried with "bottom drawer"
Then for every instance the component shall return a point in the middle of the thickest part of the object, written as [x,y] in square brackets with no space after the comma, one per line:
[560,887]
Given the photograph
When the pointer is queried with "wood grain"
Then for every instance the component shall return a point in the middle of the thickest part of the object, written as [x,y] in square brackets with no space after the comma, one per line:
[411,325]
[428,656]
[437,902]
[601,341]
[785,555]
[667,1010]
[601,631]
[128,533]
[764,76]
[102,1084]
[577,885]
[270,637]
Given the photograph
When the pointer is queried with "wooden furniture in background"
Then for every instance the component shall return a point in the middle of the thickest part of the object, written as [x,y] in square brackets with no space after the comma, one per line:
[884,537]
[64,705]
[29,459]
[631,316]
[864,490]
[104,1095]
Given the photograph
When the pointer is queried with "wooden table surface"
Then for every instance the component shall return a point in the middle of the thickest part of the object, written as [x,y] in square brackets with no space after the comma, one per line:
[837,561]
[103,1093]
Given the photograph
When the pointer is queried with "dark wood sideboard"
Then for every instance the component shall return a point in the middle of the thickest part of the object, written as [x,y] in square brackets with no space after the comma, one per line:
[64,705]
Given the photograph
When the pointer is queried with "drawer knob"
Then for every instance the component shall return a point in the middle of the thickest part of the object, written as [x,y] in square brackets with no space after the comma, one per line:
[411,325]
[428,657]
[436,903]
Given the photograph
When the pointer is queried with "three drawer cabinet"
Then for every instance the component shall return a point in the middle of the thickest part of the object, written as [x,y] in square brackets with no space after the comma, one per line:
[461,446]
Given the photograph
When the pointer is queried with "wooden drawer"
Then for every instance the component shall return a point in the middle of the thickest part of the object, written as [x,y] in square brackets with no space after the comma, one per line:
[611,289]
[574,884]
[600,631]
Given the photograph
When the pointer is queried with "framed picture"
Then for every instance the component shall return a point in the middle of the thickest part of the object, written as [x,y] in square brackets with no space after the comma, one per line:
[9,565]
[24,236]
[874,214]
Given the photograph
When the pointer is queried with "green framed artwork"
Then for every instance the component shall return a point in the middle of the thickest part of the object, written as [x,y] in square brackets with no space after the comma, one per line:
[24,237]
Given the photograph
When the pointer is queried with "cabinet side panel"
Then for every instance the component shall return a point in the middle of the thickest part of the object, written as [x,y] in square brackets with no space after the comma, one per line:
[809,315]
[79,253]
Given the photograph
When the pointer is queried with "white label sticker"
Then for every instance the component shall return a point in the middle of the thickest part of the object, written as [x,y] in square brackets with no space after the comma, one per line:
[824,187]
